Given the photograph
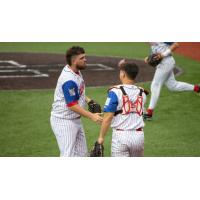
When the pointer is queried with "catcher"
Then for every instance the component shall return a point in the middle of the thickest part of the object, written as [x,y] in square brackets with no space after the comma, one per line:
[123,111]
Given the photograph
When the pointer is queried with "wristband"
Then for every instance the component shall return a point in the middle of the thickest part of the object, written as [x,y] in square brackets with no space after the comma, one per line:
[166,53]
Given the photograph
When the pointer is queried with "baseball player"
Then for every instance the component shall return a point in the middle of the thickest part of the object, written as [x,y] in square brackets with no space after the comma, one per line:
[68,106]
[123,112]
[164,74]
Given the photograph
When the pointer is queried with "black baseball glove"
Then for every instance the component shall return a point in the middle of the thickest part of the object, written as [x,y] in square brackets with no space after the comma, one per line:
[146,92]
[94,107]
[97,150]
[154,59]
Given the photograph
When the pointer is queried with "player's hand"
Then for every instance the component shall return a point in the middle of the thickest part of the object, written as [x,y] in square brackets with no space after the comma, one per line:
[158,56]
[100,140]
[121,62]
[146,59]
[97,117]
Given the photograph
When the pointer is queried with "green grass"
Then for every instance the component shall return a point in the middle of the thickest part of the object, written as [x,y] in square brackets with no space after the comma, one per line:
[25,129]
[24,121]
[123,49]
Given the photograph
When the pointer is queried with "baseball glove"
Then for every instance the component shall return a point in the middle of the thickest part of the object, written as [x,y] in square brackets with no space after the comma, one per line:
[154,59]
[94,107]
[146,92]
[97,150]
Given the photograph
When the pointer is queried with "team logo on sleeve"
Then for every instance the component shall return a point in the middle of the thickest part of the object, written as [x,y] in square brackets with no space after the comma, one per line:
[72,92]
[107,101]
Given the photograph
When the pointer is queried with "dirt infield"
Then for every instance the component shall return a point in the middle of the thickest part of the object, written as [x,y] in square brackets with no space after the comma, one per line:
[41,71]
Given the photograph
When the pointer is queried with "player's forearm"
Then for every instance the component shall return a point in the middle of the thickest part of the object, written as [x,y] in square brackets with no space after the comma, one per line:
[104,129]
[95,117]
[172,48]
[81,111]
[105,126]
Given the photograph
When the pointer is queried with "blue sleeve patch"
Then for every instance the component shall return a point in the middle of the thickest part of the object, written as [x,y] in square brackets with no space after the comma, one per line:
[169,43]
[111,102]
[70,90]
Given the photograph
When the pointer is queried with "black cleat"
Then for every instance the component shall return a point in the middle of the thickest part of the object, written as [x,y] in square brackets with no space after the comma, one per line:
[199,89]
[147,117]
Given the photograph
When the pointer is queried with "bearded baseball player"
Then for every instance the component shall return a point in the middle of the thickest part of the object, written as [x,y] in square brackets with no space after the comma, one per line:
[68,106]
[162,59]
[123,111]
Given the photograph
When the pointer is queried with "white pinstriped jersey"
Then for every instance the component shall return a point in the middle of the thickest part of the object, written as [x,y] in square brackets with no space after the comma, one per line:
[159,47]
[70,90]
[114,102]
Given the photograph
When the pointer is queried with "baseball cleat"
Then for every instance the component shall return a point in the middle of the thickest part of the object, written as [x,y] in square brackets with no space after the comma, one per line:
[147,117]
[197,88]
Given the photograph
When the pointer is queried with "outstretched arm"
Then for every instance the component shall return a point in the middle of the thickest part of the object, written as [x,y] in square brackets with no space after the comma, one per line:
[93,116]
[172,48]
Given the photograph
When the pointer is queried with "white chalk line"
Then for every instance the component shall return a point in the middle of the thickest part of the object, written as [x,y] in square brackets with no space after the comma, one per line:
[37,73]
[14,67]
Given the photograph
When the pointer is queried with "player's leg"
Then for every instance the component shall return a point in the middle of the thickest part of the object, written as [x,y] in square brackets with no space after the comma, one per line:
[174,85]
[136,144]
[160,77]
[119,148]
[65,132]
[80,149]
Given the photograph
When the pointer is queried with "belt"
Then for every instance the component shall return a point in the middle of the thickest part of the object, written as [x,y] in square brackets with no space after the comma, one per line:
[138,129]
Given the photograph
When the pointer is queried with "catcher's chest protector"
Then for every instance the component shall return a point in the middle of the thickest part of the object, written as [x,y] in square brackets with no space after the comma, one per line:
[128,106]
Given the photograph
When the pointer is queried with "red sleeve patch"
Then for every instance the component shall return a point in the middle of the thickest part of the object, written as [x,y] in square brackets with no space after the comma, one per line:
[72,103]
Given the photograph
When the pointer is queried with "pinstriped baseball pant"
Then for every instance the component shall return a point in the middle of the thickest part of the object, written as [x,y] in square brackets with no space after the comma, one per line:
[70,137]
[164,75]
[127,143]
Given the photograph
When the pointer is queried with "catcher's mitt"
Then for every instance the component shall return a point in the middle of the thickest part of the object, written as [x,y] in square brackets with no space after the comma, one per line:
[94,107]
[154,59]
[97,150]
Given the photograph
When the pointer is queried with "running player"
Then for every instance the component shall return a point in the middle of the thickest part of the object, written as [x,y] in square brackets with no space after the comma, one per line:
[68,106]
[164,75]
[123,112]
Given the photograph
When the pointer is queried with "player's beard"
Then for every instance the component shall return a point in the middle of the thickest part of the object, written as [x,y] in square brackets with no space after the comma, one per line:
[81,67]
